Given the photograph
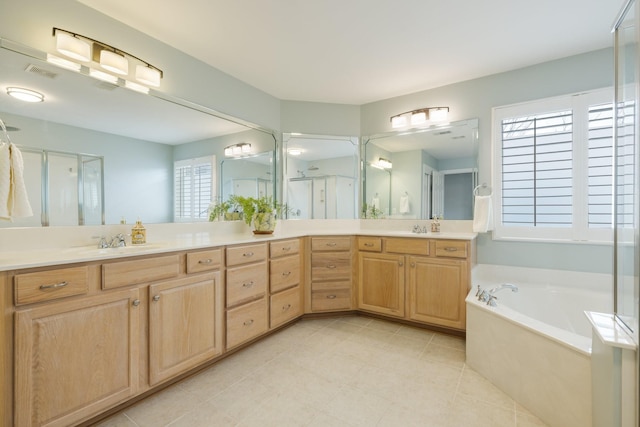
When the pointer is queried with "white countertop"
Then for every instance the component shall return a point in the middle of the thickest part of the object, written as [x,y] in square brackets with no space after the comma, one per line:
[609,331]
[66,245]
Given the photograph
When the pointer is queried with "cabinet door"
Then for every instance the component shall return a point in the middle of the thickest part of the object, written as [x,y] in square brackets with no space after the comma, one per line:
[437,289]
[381,283]
[185,324]
[75,358]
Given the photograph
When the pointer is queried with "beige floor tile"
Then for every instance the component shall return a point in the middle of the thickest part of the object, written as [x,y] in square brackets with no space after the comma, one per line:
[162,408]
[282,410]
[205,416]
[525,418]
[357,406]
[449,341]
[119,420]
[324,419]
[475,386]
[469,412]
[240,399]
[415,333]
[447,355]
[355,319]
[383,325]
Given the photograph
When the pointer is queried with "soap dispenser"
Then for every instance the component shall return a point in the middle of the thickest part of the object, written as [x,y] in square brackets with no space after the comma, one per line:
[138,234]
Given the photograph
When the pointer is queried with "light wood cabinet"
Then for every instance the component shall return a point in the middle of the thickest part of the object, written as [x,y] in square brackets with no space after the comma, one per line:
[417,279]
[185,324]
[381,286]
[75,358]
[247,322]
[437,289]
[285,284]
[331,274]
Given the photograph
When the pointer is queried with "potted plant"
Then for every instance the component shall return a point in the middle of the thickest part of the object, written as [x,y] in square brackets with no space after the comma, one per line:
[261,212]
[224,210]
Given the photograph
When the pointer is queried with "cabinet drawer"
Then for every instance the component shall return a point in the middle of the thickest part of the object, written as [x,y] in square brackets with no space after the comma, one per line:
[330,265]
[335,284]
[245,254]
[204,260]
[285,273]
[246,322]
[285,306]
[125,273]
[246,283]
[451,248]
[417,246]
[51,284]
[284,248]
[372,244]
[330,243]
[335,299]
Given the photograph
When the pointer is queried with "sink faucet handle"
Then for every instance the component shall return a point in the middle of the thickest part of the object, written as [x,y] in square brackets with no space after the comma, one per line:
[491,300]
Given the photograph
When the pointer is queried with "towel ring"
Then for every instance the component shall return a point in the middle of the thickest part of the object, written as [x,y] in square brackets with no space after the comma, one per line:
[483,185]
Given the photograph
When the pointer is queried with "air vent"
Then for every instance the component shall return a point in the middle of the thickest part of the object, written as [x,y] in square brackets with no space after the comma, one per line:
[31,68]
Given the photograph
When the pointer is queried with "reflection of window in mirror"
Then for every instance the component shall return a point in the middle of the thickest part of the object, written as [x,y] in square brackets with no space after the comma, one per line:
[194,188]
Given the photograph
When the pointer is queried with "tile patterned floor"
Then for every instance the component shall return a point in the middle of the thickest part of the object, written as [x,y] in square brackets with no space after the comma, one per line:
[346,371]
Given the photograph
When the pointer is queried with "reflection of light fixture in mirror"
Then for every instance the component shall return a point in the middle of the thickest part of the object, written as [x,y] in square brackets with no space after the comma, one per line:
[101,75]
[114,62]
[26,95]
[384,163]
[237,150]
[73,47]
[294,151]
[419,116]
[64,63]
[108,57]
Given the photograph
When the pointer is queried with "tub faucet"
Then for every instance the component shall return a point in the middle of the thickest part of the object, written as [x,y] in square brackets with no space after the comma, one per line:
[513,288]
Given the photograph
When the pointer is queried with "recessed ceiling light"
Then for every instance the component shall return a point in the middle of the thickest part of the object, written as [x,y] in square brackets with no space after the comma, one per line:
[26,95]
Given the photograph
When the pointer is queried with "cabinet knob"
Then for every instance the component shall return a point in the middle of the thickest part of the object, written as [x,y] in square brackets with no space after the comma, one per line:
[400,263]
[205,261]
[286,273]
[331,266]
[286,307]
[247,284]
[156,297]
[286,248]
[413,264]
[332,296]
[135,302]
[247,254]
[248,322]
[54,286]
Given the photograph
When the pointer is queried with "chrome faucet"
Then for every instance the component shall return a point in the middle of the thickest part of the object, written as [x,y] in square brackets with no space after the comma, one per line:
[418,229]
[117,241]
[513,288]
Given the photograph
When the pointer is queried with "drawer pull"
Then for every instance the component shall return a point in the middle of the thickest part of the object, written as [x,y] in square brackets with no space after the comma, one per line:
[369,245]
[247,254]
[286,307]
[247,284]
[286,248]
[451,249]
[205,261]
[332,244]
[331,266]
[332,296]
[286,273]
[156,298]
[135,302]
[248,322]
[54,286]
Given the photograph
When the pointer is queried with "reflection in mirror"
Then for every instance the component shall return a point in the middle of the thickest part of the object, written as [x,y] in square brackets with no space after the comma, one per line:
[321,176]
[139,136]
[250,176]
[421,173]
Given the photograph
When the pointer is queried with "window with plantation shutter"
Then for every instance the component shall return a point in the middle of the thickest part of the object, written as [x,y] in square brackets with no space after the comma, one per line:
[194,188]
[553,168]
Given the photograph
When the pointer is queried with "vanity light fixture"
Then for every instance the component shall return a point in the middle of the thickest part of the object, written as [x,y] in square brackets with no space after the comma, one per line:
[116,61]
[419,116]
[384,163]
[101,75]
[64,63]
[237,150]
[136,87]
[26,95]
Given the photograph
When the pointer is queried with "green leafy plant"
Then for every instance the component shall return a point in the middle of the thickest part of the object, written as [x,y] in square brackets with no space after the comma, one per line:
[371,212]
[251,206]
[227,210]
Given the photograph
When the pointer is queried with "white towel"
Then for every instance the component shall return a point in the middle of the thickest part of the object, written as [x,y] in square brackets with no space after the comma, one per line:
[404,204]
[482,215]
[375,203]
[5,180]
[18,200]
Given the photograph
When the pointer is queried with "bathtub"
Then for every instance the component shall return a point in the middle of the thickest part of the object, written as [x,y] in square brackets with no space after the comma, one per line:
[535,344]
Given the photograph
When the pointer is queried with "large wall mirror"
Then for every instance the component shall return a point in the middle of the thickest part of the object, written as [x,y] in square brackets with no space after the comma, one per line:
[137,136]
[421,173]
[320,176]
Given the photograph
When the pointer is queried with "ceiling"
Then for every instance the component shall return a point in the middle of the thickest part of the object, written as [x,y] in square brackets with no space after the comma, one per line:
[360,51]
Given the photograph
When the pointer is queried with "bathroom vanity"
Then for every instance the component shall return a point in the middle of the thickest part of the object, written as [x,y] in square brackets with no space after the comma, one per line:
[88,334]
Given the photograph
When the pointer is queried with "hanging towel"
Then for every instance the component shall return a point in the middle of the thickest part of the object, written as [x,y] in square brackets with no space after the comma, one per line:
[19,206]
[482,215]
[376,203]
[404,204]
[5,180]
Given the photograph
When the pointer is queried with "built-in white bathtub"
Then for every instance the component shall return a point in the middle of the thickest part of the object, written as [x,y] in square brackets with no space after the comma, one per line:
[535,344]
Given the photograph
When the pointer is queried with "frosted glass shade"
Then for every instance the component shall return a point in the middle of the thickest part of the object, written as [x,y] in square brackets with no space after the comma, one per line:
[73,47]
[147,75]
[438,114]
[114,62]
